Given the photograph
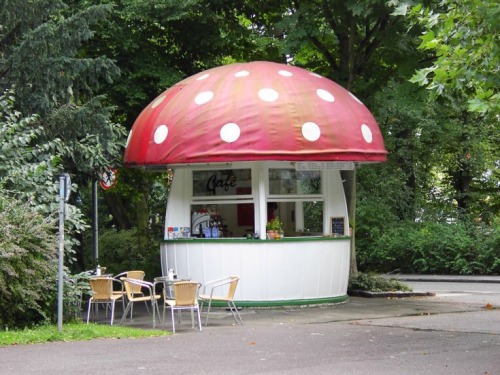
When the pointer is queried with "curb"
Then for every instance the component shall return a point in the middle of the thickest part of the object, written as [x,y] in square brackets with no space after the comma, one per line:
[447,279]
[363,293]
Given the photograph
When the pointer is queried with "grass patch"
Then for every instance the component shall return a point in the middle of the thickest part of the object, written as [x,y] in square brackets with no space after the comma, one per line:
[77,331]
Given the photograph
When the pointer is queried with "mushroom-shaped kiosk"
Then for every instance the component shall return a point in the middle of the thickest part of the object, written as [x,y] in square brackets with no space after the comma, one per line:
[251,145]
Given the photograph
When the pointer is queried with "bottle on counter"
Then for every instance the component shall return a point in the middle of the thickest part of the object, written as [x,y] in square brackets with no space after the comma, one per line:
[170,274]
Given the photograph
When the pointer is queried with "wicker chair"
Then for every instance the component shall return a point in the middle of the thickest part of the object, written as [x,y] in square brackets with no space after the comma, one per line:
[227,283]
[185,298]
[132,296]
[136,289]
[102,292]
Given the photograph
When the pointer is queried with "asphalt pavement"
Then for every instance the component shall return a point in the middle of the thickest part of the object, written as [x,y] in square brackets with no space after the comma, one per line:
[390,335]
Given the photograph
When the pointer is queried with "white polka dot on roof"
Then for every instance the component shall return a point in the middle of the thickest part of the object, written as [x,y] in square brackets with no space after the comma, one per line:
[128,139]
[315,75]
[161,134]
[203,97]
[367,133]
[268,95]
[242,73]
[325,95]
[158,101]
[311,131]
[204,76]
[285,73]
[230,132]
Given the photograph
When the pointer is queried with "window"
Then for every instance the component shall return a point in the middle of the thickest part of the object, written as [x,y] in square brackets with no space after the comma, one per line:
[226,182]
[222,199]
[293,182]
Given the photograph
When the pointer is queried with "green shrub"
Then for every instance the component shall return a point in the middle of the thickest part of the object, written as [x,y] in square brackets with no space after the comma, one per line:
[76,290]
[441,248]
[28,265]
[118,253]
[375,283]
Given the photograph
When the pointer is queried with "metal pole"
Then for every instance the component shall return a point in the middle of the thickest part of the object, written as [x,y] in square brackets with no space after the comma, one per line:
[62,194]
[95,239]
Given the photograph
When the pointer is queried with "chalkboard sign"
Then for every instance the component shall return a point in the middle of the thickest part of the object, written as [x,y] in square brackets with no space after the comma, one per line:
[338,226]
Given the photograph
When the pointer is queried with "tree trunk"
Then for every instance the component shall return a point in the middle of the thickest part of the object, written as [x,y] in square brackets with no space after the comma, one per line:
[121,217]
[142,212]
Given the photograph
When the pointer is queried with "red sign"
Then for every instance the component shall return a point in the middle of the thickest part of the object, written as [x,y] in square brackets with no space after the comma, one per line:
[108,178]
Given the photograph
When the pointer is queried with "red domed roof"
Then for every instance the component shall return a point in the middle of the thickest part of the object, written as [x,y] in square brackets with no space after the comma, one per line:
[254,111]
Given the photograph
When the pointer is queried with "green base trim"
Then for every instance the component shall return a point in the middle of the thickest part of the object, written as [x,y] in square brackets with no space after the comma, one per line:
[282,303]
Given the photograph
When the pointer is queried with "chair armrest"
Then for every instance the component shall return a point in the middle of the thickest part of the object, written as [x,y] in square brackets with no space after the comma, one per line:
[216,281]
[142,283]
[216,284]
[138,282]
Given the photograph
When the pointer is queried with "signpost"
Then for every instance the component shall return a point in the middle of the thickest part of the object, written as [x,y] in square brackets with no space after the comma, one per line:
[107,180]
[64,192]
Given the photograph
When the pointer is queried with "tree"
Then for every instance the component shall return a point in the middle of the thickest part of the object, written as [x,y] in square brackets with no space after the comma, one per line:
[28,243]
[41,47]
[43,58]
[26,168]
[154,46]
[360,45]
[463,40]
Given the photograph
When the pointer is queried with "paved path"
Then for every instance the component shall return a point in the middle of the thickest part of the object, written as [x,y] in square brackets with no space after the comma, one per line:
[362,336]
[452,333]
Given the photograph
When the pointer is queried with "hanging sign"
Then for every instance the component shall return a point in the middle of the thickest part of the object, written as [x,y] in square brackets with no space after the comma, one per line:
[108,178]
[324,166]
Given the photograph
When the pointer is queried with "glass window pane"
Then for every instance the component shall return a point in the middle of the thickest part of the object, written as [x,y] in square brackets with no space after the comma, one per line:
[313,217]
[222,220]
[222,183]
[292,182]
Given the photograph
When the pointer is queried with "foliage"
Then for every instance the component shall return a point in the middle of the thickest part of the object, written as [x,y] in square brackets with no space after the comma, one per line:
[454,183]
[375,283]
[119,252]
[26,163]
[28,264]
[274,224]
[44,59]
[463,37]
[313,216]
[41,55]
[358,44]
[438,248]
[153,43]
[30,165]
[73,332]
[76,290]
[28,171]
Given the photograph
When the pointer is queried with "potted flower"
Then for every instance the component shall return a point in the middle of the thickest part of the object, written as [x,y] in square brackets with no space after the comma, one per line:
[274,228]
